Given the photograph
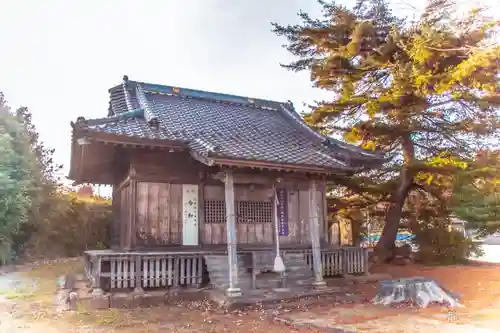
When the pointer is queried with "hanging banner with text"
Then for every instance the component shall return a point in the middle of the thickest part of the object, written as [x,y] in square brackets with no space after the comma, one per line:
[282,210]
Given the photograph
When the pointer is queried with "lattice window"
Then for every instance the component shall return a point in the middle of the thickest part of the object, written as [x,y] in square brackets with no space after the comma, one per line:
[214,211]
[246,211]
[254,212]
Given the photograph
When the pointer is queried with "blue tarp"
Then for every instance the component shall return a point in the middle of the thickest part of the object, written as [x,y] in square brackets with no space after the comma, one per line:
[399,237]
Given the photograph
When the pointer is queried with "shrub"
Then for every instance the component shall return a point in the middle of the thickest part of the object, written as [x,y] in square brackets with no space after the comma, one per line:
[71,225]
[440,245]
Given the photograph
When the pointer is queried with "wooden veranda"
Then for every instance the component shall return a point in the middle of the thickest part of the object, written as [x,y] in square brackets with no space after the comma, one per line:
[118,271]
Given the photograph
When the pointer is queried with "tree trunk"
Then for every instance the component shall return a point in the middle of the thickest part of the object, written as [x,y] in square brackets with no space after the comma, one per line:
[395,213]
[385,245]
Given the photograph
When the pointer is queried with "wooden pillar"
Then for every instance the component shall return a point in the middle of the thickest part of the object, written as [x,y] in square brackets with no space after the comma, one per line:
[132,241]
[326,225]
[233,290]
[115,232]
[138,274]
[96,283]
[315,230]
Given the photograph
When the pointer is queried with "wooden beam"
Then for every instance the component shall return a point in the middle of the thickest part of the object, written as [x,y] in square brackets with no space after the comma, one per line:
[314,230]
[279,166]
[248,176]
[124,183]
[233,290]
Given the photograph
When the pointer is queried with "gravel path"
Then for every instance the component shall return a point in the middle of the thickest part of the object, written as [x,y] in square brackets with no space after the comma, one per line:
[13,319]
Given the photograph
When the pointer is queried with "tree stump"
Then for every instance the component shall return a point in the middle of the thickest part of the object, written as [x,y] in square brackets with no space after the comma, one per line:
[417,290]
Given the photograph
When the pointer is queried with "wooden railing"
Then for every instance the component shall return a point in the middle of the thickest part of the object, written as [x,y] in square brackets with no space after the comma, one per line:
[128,271]
[341,261]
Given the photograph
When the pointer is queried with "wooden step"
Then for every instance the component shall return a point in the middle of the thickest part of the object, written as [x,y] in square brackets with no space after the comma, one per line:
[218,270]
[297,270]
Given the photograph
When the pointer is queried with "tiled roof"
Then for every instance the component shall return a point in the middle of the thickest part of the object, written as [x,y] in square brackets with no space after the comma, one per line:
[221,126]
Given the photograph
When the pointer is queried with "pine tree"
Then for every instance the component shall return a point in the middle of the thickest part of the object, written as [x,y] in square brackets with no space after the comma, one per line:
[425,92]
[476,194]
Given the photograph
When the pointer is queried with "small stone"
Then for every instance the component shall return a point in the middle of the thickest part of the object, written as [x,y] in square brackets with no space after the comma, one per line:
[80,277]
[73,301]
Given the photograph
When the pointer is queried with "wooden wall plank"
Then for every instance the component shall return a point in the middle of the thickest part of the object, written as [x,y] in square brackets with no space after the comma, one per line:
[163,213]
[124,215]
[159,214]
[152,216]
[176,212]
[141,228]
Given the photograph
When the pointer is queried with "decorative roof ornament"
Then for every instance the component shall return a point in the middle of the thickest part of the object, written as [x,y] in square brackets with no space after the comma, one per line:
[126,93]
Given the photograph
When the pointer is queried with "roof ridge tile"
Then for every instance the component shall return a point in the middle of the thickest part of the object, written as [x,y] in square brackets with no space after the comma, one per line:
[207,95]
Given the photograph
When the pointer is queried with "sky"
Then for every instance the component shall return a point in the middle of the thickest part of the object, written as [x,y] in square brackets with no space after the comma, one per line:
[59,57]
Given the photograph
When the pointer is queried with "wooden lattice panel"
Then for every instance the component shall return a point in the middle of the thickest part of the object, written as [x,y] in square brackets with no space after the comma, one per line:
[254,212]
[246,211]
[214,211]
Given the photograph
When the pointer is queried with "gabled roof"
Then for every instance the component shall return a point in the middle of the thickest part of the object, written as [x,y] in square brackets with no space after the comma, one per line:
[221,129]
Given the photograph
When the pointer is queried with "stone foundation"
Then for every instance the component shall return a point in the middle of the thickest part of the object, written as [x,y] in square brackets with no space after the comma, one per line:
[74,294]
[128,300]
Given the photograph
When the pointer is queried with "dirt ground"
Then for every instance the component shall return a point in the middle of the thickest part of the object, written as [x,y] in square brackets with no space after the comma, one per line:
[27,297]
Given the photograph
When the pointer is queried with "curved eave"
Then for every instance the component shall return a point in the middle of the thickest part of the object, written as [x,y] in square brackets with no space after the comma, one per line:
[93,159]
[213,159]
[120,139]
[355,153]
[358,153]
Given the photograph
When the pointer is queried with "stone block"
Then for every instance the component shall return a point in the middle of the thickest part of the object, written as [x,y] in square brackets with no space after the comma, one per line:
[368,278]
[151,299]
[99,302]
[123,301]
